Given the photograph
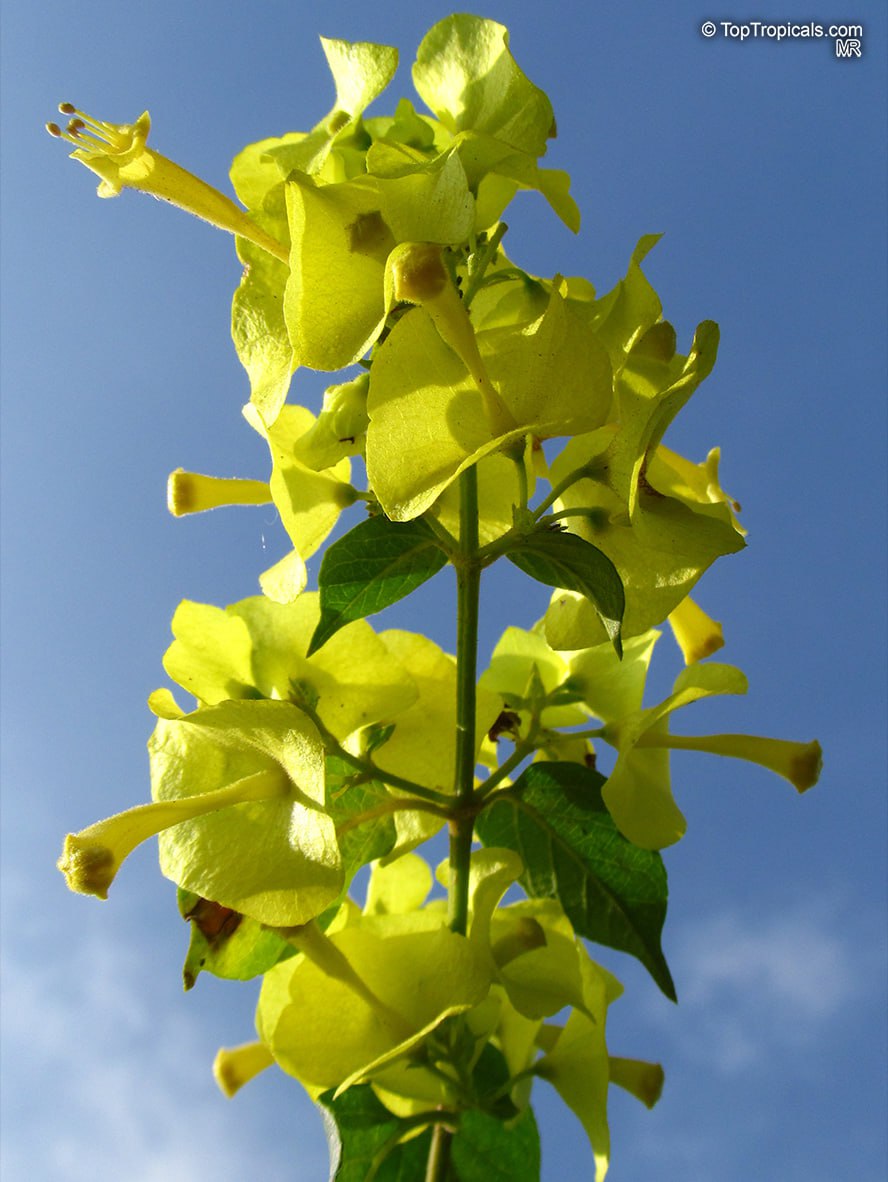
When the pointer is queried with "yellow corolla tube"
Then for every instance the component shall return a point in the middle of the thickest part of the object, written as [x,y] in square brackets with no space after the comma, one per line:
[418,276]
[800,763]
[92,857]
[190,492]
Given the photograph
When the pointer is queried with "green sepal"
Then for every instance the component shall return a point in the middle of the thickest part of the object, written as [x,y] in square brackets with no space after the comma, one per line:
[630,308]
[274,859]
[342,234]
[495,171]
[612,891]
[256,649]
[225,943]
[429,421]
[361,71]
[257,327]
[566,560]
[466,75]
[374,565]
[257,321]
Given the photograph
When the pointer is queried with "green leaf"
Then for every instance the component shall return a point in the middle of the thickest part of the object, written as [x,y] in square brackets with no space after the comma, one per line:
[486,1150]
[362,1134]
[376,564]
[225,943]
[612,891]
[566,560]
[359,1129]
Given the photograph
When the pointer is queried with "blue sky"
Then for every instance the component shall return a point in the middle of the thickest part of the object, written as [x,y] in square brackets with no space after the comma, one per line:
[764,165]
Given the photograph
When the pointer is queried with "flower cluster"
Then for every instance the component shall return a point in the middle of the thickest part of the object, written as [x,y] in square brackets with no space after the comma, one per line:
[492,414]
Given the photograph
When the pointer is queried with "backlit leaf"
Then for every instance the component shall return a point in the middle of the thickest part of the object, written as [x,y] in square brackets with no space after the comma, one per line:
[612,891]
[566,560]
[374,565]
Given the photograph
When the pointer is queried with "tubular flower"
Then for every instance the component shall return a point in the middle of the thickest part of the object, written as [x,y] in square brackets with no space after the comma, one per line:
[235,1066]
[238,793]
[119,155]
[190,492]
[92,857]
[696,634]
[800,763]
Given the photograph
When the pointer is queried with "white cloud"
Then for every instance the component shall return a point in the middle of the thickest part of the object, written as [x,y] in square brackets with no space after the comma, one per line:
[144,1107]
[750,983]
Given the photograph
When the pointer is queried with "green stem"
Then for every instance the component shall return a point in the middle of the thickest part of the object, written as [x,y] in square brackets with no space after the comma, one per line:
[523,748]
[367,767]
[405,1124]
[581,473]
[438,1165]
[596,515]
[482,262]
[505,769]
[468,583]
[521,472]
[594,732]
[388,807]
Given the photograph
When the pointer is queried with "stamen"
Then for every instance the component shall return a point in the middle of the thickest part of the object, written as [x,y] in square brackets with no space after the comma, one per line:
[99,136]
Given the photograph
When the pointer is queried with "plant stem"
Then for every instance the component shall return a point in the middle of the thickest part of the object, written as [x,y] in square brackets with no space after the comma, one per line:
[438,1165]
[468,584]
[468,581]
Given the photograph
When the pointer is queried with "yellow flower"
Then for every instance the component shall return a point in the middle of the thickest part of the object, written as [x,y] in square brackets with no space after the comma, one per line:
[92,857]
[119,155]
